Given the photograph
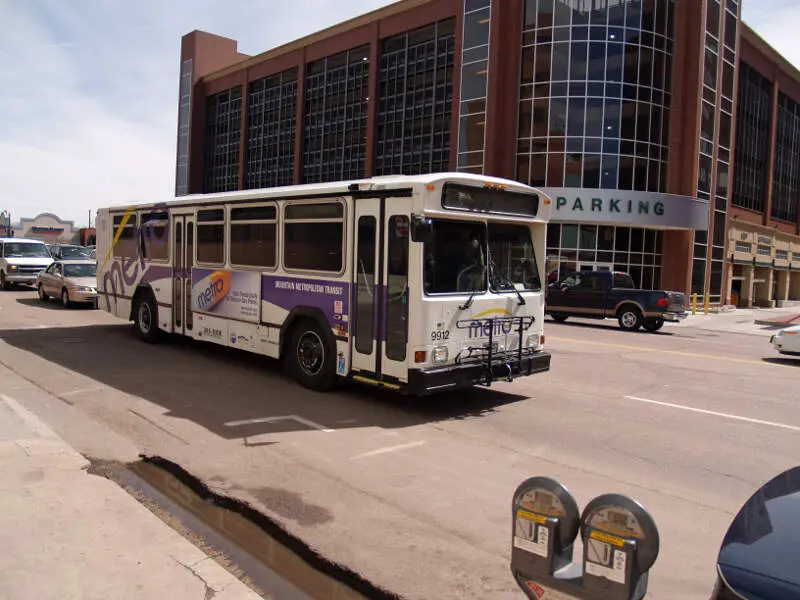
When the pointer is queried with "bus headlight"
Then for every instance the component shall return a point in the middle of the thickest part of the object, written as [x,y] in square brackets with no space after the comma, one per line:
[440,354]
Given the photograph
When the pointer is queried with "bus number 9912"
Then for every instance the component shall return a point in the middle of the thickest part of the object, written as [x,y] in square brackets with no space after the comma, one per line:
[440,336]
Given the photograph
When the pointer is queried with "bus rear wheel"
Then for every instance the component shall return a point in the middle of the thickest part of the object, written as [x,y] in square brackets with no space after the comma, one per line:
[145,318]
[310,356]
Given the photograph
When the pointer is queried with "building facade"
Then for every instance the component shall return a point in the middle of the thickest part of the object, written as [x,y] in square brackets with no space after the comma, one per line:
[48,228]
[665,131]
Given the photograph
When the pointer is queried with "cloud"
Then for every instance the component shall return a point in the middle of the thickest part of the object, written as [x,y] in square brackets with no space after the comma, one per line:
[88,110]
[776,21]
[90,92]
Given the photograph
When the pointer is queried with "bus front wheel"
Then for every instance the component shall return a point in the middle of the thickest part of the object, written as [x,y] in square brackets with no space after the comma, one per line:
[310,356]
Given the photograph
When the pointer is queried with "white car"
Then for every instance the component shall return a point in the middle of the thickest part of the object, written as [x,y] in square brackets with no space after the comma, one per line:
[787,341]
[21,261]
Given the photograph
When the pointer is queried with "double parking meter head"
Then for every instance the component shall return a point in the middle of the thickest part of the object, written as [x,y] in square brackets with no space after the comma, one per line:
[620,544]
[546,523]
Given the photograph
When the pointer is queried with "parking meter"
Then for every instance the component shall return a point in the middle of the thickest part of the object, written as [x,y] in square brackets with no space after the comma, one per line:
[620,544]
[546,523]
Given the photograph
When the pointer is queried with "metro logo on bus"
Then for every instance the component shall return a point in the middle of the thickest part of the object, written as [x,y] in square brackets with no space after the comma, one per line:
[212,289]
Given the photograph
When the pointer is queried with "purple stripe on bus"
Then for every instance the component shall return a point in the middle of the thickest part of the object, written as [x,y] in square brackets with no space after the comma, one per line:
[331,297]
[385,304]
[378,297]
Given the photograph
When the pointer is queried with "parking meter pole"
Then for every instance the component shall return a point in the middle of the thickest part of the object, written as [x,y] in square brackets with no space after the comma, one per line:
[694,304]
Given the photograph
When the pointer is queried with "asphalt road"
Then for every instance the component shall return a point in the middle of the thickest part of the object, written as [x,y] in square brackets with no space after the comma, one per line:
[415,495]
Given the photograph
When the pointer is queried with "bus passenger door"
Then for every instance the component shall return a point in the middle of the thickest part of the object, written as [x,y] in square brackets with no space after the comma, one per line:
[366,292]
[182,262]
[394,314]
[380,288]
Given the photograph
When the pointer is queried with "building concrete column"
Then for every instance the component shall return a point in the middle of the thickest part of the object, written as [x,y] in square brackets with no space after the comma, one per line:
[794,286]
[746,300]
[783,287]
[763,295]
[726,292]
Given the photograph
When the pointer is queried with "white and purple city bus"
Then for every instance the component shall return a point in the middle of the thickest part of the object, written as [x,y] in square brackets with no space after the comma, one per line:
[418,284]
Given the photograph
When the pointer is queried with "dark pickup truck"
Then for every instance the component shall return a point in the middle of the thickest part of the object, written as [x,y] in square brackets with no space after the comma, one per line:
[609,294]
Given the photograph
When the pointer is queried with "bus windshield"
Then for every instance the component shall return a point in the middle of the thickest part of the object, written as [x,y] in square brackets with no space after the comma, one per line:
[457,258]
[512,261]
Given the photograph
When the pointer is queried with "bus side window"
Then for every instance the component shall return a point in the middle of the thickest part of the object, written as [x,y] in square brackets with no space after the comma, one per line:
[126,245]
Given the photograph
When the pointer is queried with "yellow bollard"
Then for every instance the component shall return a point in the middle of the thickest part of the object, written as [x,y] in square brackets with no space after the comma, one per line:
[694,304]
[707,302]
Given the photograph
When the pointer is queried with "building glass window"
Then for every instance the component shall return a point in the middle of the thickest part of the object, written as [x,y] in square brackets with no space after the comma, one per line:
[335,123]
[223,134]
[571,100]
[184,117]
[786,176]
[752,139]
[415,97]
[271,130]
[632,250]
[474,85]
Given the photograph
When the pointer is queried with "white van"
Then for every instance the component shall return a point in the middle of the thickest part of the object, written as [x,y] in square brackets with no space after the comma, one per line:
[21,260]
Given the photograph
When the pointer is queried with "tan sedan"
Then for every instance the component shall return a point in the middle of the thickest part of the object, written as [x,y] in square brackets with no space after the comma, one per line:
[70,280]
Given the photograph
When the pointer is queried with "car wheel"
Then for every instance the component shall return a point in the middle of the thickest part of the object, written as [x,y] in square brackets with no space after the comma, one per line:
[65,301]
[630,319]
[310,356]
[653,324]
[4,282]
[42,295]
[145,318]
[558,318]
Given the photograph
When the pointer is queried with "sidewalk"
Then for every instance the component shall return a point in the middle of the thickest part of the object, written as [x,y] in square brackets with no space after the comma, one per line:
[72,535]
[749,321]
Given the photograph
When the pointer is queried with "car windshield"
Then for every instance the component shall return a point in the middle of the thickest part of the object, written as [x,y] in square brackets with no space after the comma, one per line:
[80,270]
[455,259]
[512,261]
[25,250]
[74,252]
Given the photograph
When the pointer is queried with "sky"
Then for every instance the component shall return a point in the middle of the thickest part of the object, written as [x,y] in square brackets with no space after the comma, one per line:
[89,88]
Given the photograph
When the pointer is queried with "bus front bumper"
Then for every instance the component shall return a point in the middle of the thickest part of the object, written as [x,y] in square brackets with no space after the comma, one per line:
[422,382]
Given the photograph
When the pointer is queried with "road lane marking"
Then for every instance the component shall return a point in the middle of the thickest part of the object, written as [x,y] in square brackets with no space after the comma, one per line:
[715,413]
[673,352]
[82,391]
[389,449]
[297,418]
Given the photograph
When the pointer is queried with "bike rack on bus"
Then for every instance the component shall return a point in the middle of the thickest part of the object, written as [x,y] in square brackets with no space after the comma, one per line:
[488,354]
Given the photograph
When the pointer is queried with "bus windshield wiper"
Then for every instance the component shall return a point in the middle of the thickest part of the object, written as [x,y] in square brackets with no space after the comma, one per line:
[468,303]
[495,275]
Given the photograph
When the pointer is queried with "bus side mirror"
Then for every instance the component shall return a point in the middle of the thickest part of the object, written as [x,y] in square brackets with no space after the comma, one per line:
[421,229]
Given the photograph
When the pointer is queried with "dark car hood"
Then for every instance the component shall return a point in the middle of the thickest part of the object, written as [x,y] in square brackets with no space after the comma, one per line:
[763,542]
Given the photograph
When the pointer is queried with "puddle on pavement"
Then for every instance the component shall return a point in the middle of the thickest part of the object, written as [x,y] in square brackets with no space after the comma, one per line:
[245,542]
